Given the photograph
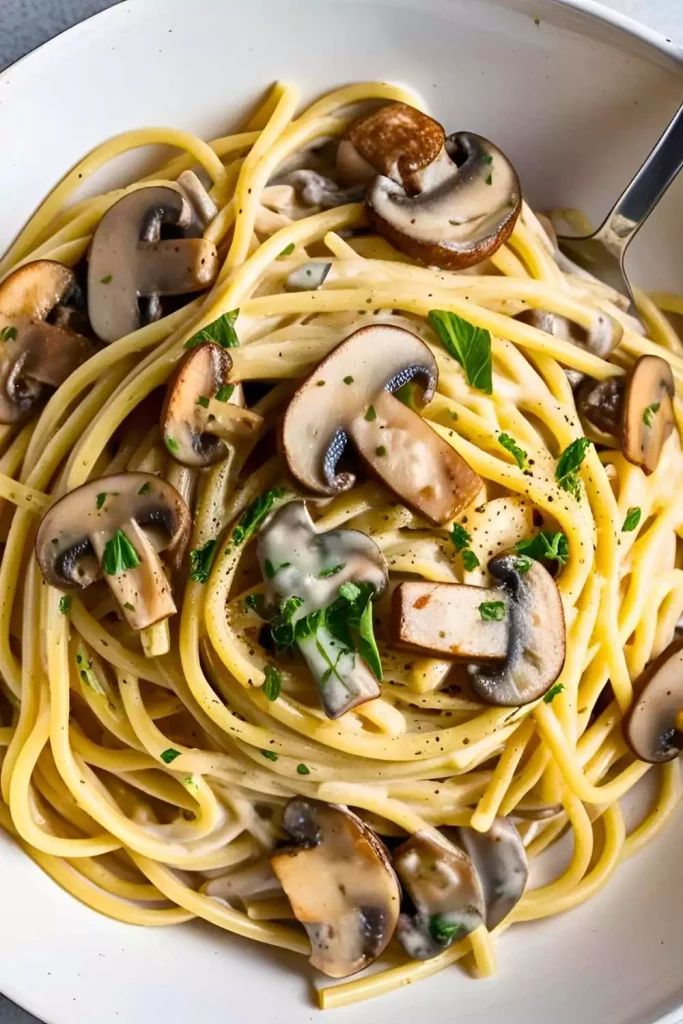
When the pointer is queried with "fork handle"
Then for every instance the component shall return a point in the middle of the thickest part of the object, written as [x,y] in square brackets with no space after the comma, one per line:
[645,190]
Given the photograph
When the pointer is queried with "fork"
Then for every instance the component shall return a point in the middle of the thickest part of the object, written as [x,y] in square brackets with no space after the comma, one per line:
[602,253]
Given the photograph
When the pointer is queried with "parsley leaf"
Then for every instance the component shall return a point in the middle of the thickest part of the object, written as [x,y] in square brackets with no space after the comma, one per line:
[169,755]
[370,415]
[270,754]
[107,279]
[632,519]
[201,560]
[222,331]
[225,393]
[469,559]
[303,769]
[145,489]
[332,571]
[272,684]
[288,249]
[510,445]
[203,400]
[254,602]
[522,564]
[553,692]
[545,546]
[8,334]
[348,380]
[119,555]
[650,412]
[566,471]
[64,604]
[443,930]
[470,345]
[100,499]
[254,514]
[492,611]
[459,537]
[281,626]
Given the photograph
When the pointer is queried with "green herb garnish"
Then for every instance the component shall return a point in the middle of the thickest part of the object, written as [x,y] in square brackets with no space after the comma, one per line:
[288,249]
[119,555]
[443,930]
[510,445]
[545,546]
[225,393]
[145,489]
[553,692]
[172,445]
[254,514]
[332,571]
[470,345]
[650,412]
[522,564]
[169,755]
[302,769]
[222,331]
[8,334]
[203,401]
[492,611]
[100,499]
[106,279]
[380,450]
[469,560]
[201,560]
[460,538]
[632,519]
[370,415]
[566,471]
[348,380]
[272,683]
[64,604]
[270,754]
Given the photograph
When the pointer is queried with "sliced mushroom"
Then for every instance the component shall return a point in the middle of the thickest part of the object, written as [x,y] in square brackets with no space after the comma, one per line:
[349,397]
[459,218]
[315,189]
[502,865]
[444,890]
[308,277]
[447,619]
[119,523]
[536,639]
[203,207]
[536,812]
[601,339]
[201,417]
[255,880]
[340,883]
[635,412]
[650,728]
[36,356]
[297,561]
[129,261]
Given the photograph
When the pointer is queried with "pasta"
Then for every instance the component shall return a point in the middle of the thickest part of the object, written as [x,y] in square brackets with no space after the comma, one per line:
[146,767]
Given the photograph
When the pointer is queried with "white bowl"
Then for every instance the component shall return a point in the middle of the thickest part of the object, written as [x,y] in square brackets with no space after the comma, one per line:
[576,101]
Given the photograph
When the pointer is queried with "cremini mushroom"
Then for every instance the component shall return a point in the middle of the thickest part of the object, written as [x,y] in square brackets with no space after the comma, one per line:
[349,397]
[449,202]
[340,884]
[451,619]
[297,561]
[201,415]
[502,865]
[114,527]
[650,728]
[536,635]
[444,891]
[36,356]
[130,266]
[603,336]
[635,412]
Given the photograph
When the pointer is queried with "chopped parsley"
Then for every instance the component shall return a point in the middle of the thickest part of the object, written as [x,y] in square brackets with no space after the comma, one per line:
[632,519]
[169,755]
[553,692]
[203,401]
[332,571]
[651,411]
[444,930]
[469,560]
[222,331]
[129,607]
[522,564]
[270,755]
[489,179]
[225,393]
[320,383]
[545,546]
[348,380]
[119,555]
[254,514]
[145,489]
[510,445]
[370,415]
[201,560]
[303,769]
[272,683]
[288,250]
[100,499]
[107,279]
[172,445]
[8,334]
[459,537]
[470,345]
[254,602]
[492,611]
[64,604]
[380,450]
[566,471]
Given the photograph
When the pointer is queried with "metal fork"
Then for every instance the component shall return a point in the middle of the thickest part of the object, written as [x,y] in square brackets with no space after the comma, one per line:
[602,253]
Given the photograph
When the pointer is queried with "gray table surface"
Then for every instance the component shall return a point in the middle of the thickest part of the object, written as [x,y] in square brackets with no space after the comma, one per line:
[24,24]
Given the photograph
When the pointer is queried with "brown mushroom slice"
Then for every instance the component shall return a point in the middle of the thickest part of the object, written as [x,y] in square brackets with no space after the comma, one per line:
[297,561]
[444,890]
[600,405]
[446,619]
[536,639]
[121,523]
[603,336]
[340,883]
[349,397]
[650,728]
[461,219]
[200,417]
[648,416]
[502,865]
[129,261]
[35,355]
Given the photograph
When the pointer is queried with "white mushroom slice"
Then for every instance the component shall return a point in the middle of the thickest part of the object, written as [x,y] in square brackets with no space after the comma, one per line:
[297,561]
[315,189]
[340,883]
[444,890]
[536,643]
[129,261]
[650,728]
[120,522]
[203,206]
[36,356]
[201,420]
[308,277]
[451,619]
[349,397]
[502,865]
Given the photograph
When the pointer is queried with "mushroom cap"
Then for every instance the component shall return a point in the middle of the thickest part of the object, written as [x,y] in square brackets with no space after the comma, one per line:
[395,140]
[648,415]
[603,336]
[536,644]
[202,372]
[445,891]
[649,727]
[340,883]
[40,355]
[128,260]
[460,221]
[600,405]
[63,546]
[500,860]
[348,395]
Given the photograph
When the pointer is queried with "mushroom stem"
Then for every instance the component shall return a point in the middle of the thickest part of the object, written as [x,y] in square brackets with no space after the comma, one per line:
[156,639]
[343,679]
[230,421]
